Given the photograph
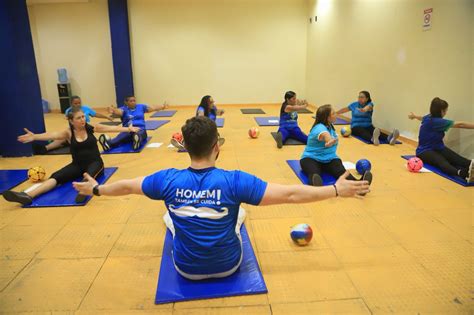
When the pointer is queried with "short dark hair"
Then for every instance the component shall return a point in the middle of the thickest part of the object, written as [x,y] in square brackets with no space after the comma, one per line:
[200,135]
[74,97]
[128,97]
[437,106]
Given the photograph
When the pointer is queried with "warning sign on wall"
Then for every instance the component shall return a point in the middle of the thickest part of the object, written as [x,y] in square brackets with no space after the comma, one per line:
[427,16]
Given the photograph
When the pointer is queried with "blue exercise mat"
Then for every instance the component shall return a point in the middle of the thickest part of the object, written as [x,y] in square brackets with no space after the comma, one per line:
[172,287]
[164,113]
[264,121]
[11,178]
[220,122]
[127,148]
[65,195]
[340,121]
[155,124]
[295,166]
[370,142]
[436,170]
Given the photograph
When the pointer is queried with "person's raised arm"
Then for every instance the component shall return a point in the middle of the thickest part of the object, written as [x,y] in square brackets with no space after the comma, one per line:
[414,116]
[155,108]
[293,108]
[106,129]
[328,140]
[119,188]
[55,135]
[280,194]
[366,108]
[100,115]
[115,111]
[463,125]
[343,110]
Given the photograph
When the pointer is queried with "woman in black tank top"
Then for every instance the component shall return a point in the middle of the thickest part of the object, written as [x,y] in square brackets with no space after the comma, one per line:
[84,151]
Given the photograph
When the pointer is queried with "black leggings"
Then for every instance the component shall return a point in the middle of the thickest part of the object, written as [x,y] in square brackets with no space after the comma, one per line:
[367,132]
[74,171]
[447,160]
[334,168]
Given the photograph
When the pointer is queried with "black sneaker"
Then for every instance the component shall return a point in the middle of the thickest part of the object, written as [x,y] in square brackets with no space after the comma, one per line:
[368,177]
[316,180]
[39,149]
[20,197]
[104,142]
[279,140]
[137,141]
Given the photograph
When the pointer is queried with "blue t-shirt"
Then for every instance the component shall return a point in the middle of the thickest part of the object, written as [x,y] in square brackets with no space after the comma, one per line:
[288,120]
[432,132]
[204,206]
[315,148]
[135,115]
[87,112]
[361,119]
[212,113]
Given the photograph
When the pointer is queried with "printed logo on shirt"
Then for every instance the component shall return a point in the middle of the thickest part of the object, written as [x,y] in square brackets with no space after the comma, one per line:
[210,197]
[200,212]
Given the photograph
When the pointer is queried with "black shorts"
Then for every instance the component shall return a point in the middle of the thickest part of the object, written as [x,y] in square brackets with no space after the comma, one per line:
[74,171]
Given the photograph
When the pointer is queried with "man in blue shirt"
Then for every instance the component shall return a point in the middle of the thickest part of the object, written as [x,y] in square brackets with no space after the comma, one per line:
[132,114]
[203,202]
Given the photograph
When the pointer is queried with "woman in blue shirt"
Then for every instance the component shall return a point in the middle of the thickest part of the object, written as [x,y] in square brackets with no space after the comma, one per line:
[431,148]
[320,152]
[361,123]
[289,120]
[132,114]
[208,108]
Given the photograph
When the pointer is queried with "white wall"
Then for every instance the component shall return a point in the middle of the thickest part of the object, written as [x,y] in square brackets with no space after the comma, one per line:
[239,51]
[75,36]
[379,46]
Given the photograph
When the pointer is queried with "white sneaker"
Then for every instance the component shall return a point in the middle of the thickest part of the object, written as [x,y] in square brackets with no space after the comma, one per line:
[375,136]
[177,144]
[392,139]
[470,174]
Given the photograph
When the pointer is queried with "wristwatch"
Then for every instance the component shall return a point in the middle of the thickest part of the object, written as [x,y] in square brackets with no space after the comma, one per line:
[95,190]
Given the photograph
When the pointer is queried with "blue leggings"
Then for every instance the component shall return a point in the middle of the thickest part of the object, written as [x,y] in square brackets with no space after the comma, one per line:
[124,137]
[294,133]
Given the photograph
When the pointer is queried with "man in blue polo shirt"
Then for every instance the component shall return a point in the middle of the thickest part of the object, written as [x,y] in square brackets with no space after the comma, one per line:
[203,202]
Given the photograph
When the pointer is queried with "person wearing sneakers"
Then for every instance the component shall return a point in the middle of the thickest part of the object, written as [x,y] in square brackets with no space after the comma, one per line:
[431,148]
[207,108]
[320,152]
[289,120]
[84,151]
[203,202]
[132,114]
[361,124]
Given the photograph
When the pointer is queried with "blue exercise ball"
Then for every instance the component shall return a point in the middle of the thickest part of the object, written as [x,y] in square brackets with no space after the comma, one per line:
[363,165]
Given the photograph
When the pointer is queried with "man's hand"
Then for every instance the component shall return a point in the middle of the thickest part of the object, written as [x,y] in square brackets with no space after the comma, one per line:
[351,188]
[85,187]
